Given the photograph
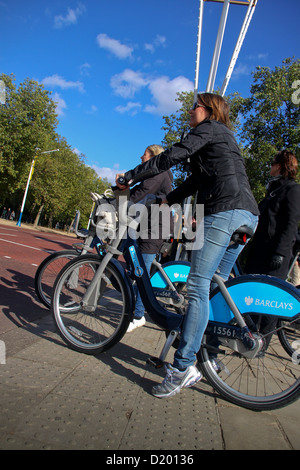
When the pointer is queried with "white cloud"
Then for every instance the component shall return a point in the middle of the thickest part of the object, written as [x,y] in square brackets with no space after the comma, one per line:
[84,69]
[109,173]
[163,91]
[128,83]
[57,81]
[114,46]
[60,104]
[130,108]
[70,18]
[259,56]
[241,70]
[93,109]
[158,41]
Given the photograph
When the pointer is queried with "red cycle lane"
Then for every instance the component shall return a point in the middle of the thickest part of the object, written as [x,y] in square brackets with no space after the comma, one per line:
[21,252]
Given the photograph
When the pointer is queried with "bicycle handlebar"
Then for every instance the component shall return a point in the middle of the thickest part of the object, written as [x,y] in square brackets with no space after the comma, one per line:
[121,180]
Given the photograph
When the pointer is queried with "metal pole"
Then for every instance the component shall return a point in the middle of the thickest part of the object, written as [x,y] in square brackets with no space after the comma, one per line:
[247,20]
[217,50]
[200,21]
[28,181]
[188,200]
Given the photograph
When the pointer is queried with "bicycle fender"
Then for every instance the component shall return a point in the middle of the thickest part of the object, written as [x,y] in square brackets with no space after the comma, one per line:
[177,271]
[256,294]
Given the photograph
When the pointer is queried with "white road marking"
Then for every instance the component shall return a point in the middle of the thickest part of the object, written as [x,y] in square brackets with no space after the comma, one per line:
[20,244]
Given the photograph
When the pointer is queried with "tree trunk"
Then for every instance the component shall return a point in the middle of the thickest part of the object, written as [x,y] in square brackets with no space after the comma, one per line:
[37,219]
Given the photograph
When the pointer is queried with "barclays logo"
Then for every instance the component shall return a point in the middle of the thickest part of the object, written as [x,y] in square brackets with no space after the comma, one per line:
[248,300]
[269,303]
[181,276]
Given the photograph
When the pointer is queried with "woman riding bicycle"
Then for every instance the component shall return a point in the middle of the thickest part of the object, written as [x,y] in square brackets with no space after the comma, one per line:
[218,176]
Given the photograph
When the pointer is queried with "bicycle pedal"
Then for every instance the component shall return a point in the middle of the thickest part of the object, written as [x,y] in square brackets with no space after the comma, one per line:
[155,362]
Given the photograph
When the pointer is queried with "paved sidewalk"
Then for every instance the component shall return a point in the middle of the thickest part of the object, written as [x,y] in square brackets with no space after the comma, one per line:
[54,398]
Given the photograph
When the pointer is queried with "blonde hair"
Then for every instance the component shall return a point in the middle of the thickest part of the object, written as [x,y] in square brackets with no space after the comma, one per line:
[155,149]
[217,107]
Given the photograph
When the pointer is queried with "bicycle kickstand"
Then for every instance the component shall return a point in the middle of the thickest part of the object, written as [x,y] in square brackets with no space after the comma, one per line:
[158,362]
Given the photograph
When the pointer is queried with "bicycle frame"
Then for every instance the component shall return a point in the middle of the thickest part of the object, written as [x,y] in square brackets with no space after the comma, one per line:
[163,317]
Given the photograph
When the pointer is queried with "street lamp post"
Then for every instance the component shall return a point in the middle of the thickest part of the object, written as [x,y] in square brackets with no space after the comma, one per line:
[28,182]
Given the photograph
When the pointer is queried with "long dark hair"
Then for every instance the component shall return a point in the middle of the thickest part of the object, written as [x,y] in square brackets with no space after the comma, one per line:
[288,164]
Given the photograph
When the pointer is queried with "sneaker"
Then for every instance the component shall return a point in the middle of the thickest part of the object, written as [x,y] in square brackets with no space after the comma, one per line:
[175,380]
[136,323]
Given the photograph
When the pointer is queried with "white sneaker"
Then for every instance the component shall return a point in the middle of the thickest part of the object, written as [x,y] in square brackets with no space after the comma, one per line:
[175,380]
[136,323]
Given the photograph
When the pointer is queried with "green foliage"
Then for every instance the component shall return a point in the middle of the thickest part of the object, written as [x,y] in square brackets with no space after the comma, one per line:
[271,120]
[27,121]
[62,182]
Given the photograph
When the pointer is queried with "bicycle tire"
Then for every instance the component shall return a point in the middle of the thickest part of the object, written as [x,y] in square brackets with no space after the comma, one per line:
[47,272]
[91,332]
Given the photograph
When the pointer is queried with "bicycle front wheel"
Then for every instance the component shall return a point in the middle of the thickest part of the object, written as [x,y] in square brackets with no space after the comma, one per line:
[47,273]
[92,328]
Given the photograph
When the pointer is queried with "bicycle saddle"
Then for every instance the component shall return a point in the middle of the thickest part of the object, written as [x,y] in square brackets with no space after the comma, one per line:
[241,235]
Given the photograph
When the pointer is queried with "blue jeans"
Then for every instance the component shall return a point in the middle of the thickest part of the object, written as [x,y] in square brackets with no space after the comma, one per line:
[214,256]
[139,306]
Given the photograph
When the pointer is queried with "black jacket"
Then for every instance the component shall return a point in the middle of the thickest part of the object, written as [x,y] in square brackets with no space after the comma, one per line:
[277,228]
[218,170]
[159,185]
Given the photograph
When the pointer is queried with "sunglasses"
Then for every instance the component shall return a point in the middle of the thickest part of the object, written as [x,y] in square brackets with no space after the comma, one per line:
[197,105]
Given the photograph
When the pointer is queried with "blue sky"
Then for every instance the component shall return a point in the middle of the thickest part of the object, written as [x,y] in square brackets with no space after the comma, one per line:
[114,67]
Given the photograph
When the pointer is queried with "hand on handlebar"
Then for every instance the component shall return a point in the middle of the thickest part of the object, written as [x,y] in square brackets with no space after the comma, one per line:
[121,182]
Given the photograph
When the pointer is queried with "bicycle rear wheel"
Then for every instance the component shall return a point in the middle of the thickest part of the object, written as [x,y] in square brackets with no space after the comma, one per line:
[268,381]
[94,328]
[47,273]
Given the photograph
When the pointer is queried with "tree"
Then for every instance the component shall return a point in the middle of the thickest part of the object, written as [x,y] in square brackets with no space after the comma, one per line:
[62,184]
[27,120]
[271,120]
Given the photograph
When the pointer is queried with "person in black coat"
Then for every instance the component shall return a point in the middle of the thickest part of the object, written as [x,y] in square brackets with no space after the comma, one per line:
[271,249]
[150,243]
